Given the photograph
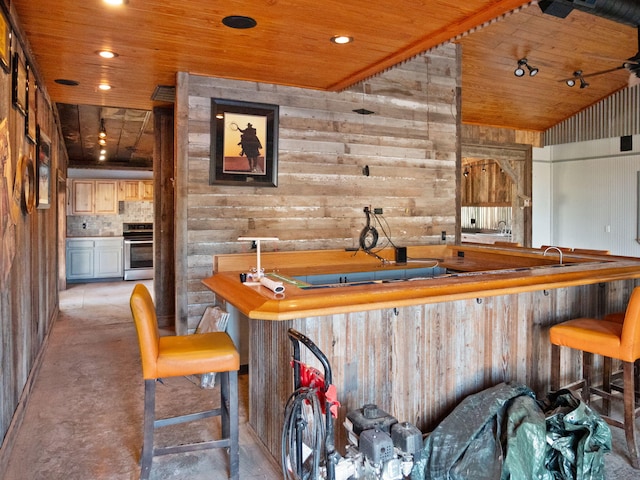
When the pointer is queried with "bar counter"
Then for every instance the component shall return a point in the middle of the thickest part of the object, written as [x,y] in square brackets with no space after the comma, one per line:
[481,272]
[416,347]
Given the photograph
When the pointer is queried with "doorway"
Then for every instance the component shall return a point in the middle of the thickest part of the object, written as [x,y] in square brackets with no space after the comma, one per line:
[496,187]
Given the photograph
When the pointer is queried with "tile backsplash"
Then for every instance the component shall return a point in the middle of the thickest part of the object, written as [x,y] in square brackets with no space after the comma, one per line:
[109,225]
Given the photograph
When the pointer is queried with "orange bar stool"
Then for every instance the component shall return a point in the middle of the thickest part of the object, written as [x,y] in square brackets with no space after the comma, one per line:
[174,356]
[613,340]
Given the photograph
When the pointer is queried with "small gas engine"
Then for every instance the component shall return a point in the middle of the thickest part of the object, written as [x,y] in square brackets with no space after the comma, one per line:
[379,446]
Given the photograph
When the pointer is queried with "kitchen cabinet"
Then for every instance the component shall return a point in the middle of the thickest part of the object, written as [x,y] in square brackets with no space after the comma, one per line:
[146,189]
[94,258]
[128,190]
[131,190]
[94,197]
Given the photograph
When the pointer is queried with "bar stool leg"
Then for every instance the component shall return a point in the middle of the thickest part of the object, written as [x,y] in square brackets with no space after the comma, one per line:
[230,421]
[629,412]
[555,367]
[607,366]
[147,435]
[587,369]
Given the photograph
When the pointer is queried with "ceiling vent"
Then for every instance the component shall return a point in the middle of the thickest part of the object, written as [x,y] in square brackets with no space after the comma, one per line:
[164,93]
[626,12]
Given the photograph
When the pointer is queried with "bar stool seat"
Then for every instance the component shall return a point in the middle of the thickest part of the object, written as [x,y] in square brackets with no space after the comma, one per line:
[180,355]
[615,339]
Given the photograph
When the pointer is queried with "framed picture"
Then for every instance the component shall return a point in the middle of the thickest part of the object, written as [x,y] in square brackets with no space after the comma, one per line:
[5,42]
[43,186]
[30,124]
[244,143]
[19,82]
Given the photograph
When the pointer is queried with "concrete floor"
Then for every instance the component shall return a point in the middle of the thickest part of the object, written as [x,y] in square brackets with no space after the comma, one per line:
[84,416]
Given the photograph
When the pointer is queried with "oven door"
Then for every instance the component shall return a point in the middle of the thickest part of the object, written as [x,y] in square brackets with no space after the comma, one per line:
[138,259]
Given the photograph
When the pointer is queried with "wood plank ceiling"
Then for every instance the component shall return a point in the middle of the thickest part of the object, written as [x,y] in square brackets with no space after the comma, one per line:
[291,45]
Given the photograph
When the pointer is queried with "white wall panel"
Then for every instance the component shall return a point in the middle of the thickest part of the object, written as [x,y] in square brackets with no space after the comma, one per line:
[594,195]
[541,198]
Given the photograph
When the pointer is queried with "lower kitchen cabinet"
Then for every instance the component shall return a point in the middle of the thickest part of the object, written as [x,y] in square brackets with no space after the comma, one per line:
[94,258]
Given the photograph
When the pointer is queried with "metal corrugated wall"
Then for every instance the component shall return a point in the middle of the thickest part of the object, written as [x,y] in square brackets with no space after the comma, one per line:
[615,116]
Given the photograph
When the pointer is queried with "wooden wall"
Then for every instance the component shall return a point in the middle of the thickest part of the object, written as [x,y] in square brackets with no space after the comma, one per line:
[28,259]
[410,145]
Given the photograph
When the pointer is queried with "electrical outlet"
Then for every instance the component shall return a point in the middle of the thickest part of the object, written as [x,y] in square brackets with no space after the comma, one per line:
[443,235]
[377,211]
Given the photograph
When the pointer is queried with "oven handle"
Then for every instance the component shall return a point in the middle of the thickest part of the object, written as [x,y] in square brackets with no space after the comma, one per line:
[138,241]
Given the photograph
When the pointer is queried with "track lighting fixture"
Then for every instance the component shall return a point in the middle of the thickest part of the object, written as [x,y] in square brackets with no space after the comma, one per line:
[519,72]
[577,75]
[103,131]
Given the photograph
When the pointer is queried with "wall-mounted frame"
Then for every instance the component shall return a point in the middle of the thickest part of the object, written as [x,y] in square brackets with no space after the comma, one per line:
[43,193]
[19,83]
[32,89]
[25,183]
[5,42]
[244,143]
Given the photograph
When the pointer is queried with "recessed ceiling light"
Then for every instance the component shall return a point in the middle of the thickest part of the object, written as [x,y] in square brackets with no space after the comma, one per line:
[115,2]
[102,157]
[107,54]
[104,87]
[341,39]
[102,141]
[103,151]
[65,81]
[239,22]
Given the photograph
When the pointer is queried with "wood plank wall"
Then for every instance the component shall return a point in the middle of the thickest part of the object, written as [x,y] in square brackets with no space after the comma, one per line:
[420,363]
[29,258]
[410,145]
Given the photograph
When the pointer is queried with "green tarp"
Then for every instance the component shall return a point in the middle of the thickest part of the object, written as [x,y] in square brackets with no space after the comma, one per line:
[505,433]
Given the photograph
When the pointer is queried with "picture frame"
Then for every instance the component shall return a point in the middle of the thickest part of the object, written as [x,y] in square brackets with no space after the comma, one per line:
[19,83]
[5,42]
[32,102]
[244,143]
[43,184]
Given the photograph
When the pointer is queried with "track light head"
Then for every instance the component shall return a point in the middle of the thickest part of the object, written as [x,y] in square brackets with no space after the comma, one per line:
[519,71]
[577,75]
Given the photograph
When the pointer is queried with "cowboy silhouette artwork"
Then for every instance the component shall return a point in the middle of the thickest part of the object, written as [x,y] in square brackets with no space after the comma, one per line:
[251,146]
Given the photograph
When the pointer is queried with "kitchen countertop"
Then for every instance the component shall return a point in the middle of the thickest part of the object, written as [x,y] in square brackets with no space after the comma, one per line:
[94,237]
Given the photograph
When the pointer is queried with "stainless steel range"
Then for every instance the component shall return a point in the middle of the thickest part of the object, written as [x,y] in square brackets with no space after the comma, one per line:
[138,250]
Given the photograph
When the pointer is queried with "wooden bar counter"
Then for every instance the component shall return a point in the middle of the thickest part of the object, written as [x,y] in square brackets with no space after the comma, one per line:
[416,347]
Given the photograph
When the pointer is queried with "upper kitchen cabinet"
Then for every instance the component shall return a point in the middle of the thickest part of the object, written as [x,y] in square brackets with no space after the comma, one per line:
[94,197]
[131,190]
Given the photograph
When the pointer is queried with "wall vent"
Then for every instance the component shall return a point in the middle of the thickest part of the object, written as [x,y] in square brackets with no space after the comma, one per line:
[164,93]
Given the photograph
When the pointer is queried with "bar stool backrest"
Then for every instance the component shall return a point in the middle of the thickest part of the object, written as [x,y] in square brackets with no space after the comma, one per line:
[144,315]
[630,341]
